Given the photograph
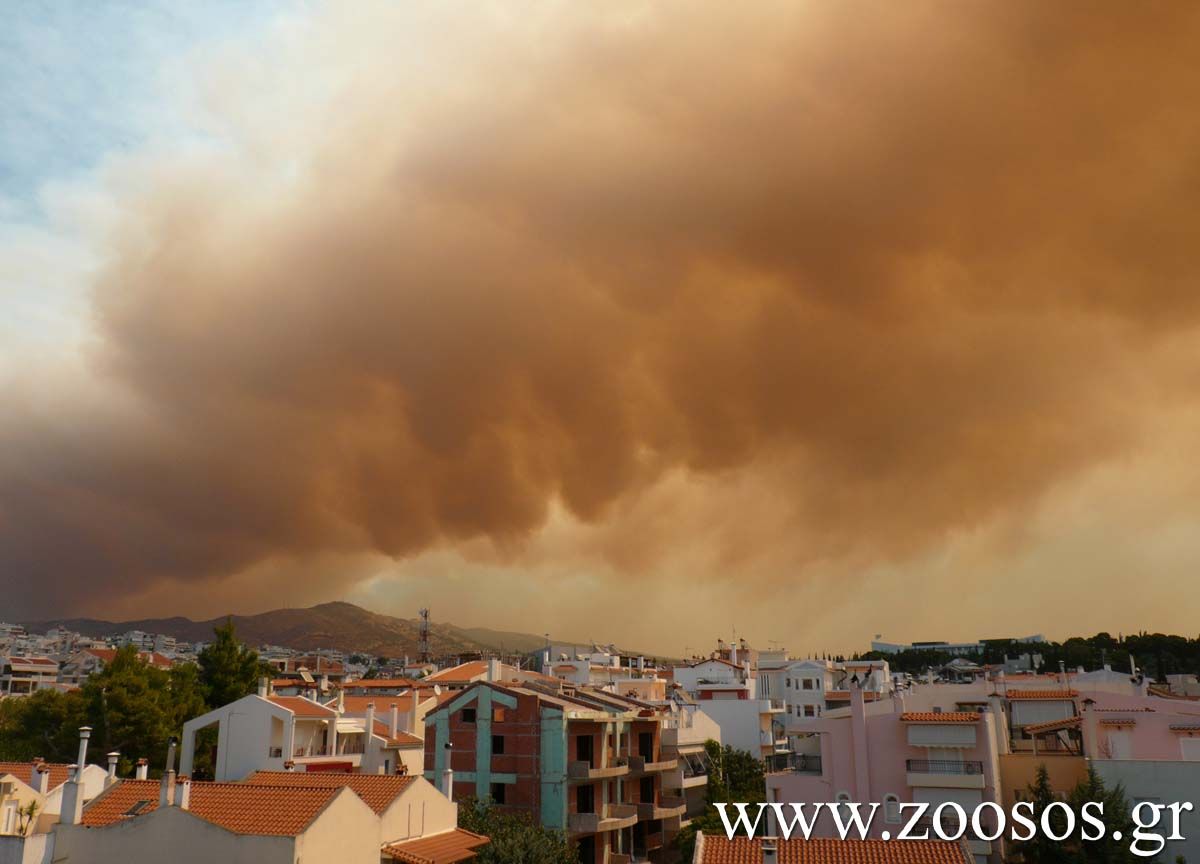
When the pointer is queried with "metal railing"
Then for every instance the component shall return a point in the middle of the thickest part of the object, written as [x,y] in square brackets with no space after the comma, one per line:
[943,766]
[800,763]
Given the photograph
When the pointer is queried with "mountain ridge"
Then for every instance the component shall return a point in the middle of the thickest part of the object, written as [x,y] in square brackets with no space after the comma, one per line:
[336,624]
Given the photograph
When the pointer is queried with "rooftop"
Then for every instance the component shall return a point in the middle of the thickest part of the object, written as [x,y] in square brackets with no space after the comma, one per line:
[377,791]
[716,849]
[939,717]
[447,847]
[237,807]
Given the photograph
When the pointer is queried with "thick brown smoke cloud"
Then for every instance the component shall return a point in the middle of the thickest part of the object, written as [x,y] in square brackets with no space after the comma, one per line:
[924,259]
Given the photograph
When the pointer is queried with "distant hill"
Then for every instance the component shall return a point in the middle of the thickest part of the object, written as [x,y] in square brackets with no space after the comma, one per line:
[328,625]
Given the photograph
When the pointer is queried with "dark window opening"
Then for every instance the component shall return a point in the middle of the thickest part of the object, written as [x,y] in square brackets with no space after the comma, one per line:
[468,715]
[497,745]
[585,799]
[498,790]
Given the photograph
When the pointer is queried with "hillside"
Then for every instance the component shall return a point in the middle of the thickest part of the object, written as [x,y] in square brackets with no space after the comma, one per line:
[328,625]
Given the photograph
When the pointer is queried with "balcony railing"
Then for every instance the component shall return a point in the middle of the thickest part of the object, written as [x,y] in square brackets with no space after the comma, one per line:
[666,807]
[612,818]
[799,763]
[585,771]
[943,766]
[641,765]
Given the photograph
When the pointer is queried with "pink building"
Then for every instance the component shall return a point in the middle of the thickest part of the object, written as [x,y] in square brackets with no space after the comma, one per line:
[881,753]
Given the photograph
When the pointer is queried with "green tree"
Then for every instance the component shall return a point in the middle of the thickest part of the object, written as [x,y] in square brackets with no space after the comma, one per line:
[1076,850]
[228,669]
[1040,849]
[1117,817]
[44,724]
[515,837]
[131,707]
[733,776]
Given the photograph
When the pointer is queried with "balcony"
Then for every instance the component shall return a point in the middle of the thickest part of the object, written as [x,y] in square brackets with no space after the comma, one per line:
[666,807]
[795,763]
[585,771]
[640,765]
[613,817]
[945,773]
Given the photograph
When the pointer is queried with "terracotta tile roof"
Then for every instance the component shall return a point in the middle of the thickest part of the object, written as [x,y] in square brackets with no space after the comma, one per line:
[943,717]
[1054,725]
[1185,727]
[447,847]
[237,807]
[1041,694]
[106,655]
[379,684]
[1119,721]
[383,704]
[377,791]
[23,771]
[742,850]
[302,707]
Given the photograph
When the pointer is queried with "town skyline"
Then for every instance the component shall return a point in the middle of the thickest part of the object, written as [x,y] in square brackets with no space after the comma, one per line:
[774,325]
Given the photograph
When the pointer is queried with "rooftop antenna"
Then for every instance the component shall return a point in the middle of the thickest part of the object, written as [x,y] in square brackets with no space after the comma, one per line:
[423,637]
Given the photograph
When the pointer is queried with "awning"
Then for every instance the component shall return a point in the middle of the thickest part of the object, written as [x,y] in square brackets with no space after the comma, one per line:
[1053,726]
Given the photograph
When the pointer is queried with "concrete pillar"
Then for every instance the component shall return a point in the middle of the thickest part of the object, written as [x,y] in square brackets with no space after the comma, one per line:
[858,732]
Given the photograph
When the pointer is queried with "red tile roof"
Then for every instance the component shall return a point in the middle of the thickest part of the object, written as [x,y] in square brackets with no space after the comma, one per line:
[302,707]
[1054,725]
[377,791]
[943,717]
[844,696]
[716,849]
[237,807]
[447,847]
[380,684]
[383,704]
[1041,694]
[106,655]
[23,771]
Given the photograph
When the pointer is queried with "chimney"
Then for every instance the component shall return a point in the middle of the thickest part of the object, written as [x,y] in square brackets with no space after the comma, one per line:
[143,768]
[33,773]
[395,721]
[85,732]
[183,793]
[41,778]
[341,703]
[166,787]
[262,687]
[72,800]
[112,768]
[448,775]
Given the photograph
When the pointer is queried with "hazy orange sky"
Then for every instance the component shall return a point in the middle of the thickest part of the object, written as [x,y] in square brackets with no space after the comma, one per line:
[644,322]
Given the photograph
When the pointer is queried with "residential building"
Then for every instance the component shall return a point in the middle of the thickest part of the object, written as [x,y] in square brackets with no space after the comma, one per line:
[579,760]
[89,661]
[266,732]
[882,752]
[684,734]
[20,676]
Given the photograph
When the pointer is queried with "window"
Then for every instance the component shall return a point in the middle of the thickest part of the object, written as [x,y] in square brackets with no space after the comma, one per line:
[497,745]
[468,715]
[646,790]
[891,809]
[808,684]
[585,799]
[498,790]
[810,710]
[789,682]
[498,714]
